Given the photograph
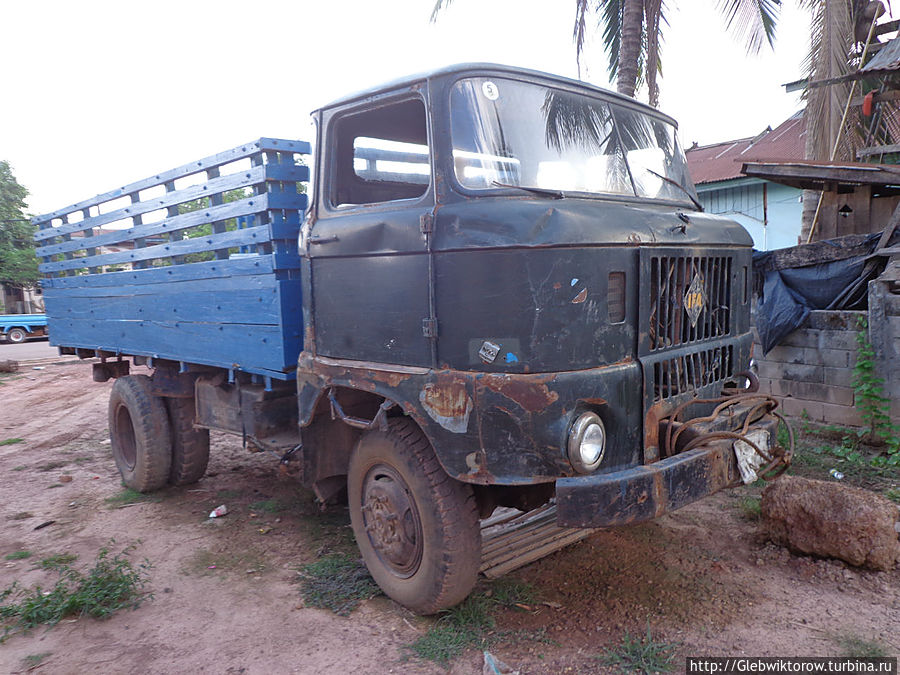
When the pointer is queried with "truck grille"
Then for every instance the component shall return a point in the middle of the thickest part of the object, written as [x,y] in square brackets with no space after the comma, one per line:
[690,372]
[689,299]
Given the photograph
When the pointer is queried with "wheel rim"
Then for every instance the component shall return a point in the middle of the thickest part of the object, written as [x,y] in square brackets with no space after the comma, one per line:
[16,335]
[125,438]
[392,521]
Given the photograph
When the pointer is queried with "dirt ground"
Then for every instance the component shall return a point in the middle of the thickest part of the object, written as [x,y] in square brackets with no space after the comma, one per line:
[225,597]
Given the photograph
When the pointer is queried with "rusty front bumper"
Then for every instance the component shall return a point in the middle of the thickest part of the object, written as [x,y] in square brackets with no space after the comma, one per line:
[646,492]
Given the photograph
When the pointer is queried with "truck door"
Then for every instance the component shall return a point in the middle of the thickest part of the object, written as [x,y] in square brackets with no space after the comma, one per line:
[369,263]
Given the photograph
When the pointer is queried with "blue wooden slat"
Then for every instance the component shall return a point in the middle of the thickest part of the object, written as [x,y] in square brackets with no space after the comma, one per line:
[210,242]
[242,179]
[247,348]
[226,157]
[211,269]
[251,300]
[243,207]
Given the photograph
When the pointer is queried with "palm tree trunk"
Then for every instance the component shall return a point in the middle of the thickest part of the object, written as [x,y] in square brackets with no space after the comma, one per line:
[630,50]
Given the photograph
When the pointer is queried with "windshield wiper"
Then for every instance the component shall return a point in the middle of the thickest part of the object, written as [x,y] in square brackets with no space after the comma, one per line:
[541,192]
[679,186]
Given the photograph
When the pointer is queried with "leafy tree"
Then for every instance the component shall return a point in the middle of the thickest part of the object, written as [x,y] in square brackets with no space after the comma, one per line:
[18,264]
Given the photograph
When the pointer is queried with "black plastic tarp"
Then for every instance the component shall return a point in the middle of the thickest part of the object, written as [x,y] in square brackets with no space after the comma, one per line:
[786,296]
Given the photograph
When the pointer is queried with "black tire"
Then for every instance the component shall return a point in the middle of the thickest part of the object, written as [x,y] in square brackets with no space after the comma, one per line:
[140,434]
[16,335]
[190,446]
[431,562]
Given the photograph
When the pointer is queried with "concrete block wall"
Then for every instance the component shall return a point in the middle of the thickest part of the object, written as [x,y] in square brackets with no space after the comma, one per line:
[812,369]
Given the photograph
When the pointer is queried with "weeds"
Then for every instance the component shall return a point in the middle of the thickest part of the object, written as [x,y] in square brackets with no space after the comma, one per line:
[129,496]
[471,623]
[337,582]
[869,396]
[751,508]
[641,654]
[57,561]
[110,585]
[511,592]
[893,494]
[50,466]
[33,660]
[460,628]
[22,515]
[12,441]
[853,646]
[267,506]
[21,467]
[17,555]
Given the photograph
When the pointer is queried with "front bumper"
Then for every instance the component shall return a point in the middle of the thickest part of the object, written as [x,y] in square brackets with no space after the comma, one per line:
[646,492]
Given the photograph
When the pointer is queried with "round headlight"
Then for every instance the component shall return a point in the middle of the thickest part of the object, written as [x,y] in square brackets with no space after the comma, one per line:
[587,442]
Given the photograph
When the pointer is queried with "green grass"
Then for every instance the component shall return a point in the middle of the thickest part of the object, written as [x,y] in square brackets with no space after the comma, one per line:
[17,555]
[641,654]
[204,562]
[750,508]
[853,646]
[471,623]
[228,494]
[267,506]
[458,629]
[129,496]
[55,464]
[893,494]
[33,660]
[21,467]
[338,582]
[111,584]
[57,561]
[12,441]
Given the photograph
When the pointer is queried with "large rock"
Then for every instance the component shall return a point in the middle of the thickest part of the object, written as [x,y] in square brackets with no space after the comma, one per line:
[832,520]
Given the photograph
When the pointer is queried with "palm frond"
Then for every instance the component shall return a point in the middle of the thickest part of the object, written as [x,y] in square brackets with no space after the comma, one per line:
[438,6]
[582,9]
[752,20]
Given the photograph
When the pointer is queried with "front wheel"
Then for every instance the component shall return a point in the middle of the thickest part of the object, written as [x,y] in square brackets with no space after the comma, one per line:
[416,527]
[16,335]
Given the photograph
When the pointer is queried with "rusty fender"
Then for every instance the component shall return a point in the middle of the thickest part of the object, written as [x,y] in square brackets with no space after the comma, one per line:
[494,428]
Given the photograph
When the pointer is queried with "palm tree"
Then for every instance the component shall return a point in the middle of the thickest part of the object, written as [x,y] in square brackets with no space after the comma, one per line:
[631,33]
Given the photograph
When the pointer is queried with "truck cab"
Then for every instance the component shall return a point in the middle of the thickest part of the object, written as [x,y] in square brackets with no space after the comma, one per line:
[517,263]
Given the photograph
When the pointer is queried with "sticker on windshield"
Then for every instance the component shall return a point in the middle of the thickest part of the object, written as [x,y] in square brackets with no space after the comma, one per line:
[490,90]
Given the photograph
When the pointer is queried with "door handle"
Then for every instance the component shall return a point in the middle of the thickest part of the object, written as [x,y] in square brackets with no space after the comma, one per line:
[315,239]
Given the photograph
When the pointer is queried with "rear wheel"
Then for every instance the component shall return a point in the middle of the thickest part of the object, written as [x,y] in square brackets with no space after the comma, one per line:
[190,446]
[16,335]
[140,434]
[416,527]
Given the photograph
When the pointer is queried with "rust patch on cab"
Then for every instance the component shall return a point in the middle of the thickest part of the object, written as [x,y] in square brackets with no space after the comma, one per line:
[448,403]
[530,392]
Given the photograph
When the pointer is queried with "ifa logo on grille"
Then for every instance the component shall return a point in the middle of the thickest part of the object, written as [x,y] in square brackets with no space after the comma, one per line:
[695,299]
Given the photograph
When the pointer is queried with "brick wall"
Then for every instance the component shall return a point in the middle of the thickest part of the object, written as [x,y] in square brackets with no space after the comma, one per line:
[812,369]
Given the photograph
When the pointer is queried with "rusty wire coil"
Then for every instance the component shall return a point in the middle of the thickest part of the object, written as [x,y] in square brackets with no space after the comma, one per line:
[776,463]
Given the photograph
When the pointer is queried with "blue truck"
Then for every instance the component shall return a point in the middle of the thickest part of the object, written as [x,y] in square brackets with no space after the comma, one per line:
[17,328]
[497,290]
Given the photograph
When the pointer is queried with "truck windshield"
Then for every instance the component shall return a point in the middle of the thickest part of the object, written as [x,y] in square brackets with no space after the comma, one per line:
[509,133]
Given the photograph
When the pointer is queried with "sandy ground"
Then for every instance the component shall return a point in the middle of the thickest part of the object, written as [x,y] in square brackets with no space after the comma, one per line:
[225,597]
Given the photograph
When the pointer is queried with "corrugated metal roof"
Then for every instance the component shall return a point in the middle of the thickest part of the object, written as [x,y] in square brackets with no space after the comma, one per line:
[886,59]
[723,161]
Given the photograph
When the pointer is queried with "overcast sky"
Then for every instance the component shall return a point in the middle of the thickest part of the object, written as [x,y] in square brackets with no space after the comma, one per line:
[98,94]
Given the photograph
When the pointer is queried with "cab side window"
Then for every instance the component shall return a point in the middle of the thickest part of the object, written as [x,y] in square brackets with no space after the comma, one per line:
[381,155]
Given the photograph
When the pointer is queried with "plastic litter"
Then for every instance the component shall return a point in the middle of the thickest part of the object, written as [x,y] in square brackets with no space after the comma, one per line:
[219,511]
[837,475]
